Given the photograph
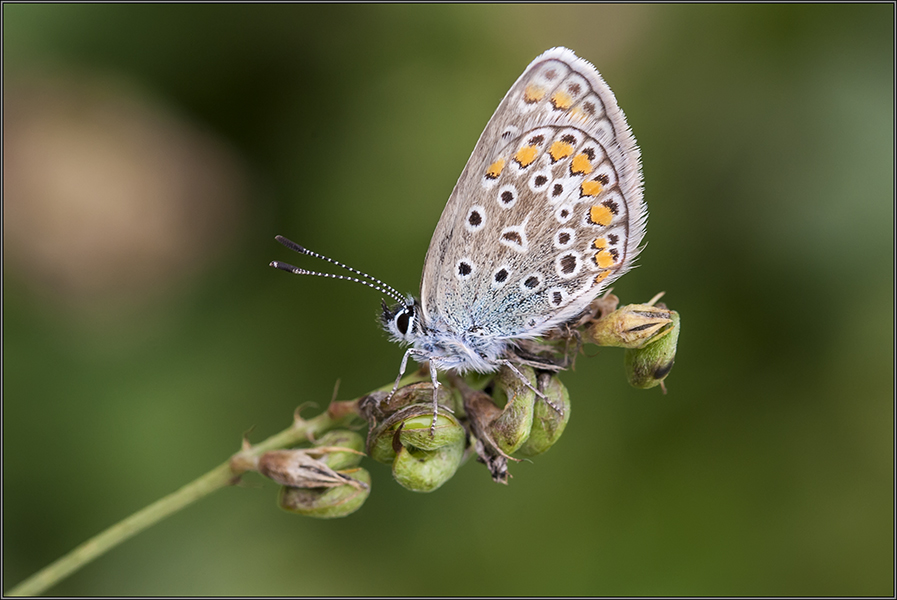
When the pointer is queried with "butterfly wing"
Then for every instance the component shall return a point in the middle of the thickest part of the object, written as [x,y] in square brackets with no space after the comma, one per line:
[547,212]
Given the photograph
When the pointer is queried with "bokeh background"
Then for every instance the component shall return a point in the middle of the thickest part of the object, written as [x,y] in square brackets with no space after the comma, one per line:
[152,152]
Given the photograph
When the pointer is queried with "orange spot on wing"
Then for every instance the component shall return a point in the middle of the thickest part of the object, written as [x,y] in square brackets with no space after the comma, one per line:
[581,164]
[604,259]
[600,215]
[601,276]
[495,168]
[561,100]
[600,243]
[560,150]
[533,94]
[591,188]
[526,155]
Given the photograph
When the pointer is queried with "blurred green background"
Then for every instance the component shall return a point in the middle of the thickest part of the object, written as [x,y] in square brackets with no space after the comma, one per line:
[152,152]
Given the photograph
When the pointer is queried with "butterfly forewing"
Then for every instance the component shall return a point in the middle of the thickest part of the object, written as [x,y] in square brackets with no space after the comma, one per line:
[547,212]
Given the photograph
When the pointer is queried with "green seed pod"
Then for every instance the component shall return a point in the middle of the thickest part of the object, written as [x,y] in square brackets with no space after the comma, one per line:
[375,407]
[426,470]
[548,423]
[422,458]
[500,431]
[340,438]
[386,437]
[512,427]
[415,431]
[632,326]
[328,503]
[648,366]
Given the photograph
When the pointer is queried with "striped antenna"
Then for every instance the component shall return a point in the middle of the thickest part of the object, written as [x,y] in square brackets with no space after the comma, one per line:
[365,279]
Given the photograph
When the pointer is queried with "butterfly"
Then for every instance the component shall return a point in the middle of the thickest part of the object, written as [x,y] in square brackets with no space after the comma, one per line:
[546,214]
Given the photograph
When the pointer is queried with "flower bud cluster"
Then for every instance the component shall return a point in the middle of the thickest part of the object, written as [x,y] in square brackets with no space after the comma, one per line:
[519,412]
[511,418]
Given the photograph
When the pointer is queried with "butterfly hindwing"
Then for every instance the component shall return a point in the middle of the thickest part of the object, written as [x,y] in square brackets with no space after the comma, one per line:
[547,212]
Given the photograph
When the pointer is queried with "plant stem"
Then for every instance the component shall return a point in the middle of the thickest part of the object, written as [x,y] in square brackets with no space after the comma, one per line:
[221,476]
[218,477]
[338,414]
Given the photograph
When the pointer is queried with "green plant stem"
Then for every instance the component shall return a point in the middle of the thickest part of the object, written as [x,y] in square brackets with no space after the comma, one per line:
[218,477]
[339,414]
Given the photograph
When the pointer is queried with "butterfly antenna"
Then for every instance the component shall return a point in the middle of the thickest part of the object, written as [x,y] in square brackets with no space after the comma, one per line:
[365,280]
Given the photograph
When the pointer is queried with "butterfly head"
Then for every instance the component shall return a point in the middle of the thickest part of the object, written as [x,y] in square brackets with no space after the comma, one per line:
[402,321]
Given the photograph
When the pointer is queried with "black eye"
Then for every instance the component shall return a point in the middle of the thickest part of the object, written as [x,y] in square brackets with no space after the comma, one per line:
[402,321]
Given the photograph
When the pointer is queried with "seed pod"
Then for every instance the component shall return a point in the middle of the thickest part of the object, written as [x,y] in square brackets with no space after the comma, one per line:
[512,427]
[500,431]
[632,326]
[328,503]
[648,366]
[379,406]
[422,458]
[340,438]
[548,423]
[411,426]
[426,470]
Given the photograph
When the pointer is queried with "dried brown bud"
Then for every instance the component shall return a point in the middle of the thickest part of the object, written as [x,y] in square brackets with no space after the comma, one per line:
[297,468]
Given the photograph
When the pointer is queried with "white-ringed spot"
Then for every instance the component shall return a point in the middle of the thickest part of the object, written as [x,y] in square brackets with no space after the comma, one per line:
[530,283]
[567,265]
[563,213]
[500,276]
[539,181]
[507,196]
[464,269]
[556,192]
[556,296]
[476,219]
[564,238]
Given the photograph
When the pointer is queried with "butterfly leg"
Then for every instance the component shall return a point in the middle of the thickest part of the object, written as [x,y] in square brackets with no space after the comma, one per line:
[525,380]
[433,375]
[402,367]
